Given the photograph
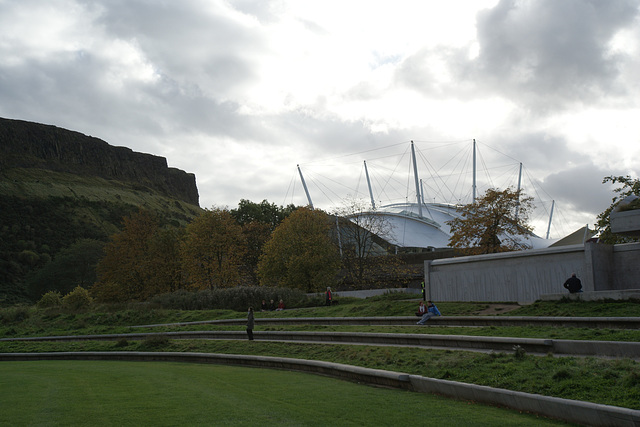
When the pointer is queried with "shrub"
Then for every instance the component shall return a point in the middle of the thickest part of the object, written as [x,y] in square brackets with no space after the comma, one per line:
[519,352]
[237,298]
[50,299]
[154,342]
[562,374]
[122,342]
[77,299]
[14,314]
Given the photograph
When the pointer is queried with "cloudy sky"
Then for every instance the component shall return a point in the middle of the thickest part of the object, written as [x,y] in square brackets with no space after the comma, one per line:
[239,92]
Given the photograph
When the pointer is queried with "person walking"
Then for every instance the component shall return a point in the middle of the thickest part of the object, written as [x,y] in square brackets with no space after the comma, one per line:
[250,324]
[328,296]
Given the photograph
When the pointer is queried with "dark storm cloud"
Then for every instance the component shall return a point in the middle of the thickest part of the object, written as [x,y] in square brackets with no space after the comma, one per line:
[542,55]
[186,40]
[581,187]
[538,151]
[549,51]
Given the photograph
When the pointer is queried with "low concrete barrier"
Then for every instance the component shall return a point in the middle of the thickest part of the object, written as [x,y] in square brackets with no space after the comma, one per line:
[614,349]
[565,409]
[567,322]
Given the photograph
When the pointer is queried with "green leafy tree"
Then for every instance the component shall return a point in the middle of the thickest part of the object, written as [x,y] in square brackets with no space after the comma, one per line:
[263,212]
[496,222]
[258,220]
[77,299]
[256,235]
[629,186]
[72,266]
[300,253]
[212,250]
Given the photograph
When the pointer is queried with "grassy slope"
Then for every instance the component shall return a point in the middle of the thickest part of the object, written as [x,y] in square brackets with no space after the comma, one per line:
[614,382]
[42,184]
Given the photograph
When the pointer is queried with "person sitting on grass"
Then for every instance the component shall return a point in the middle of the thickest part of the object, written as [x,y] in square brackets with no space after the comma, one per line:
[573,284]
[280,306]
[422,309]
[432,310]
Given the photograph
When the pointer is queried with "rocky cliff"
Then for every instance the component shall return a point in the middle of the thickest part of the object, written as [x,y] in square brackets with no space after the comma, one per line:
[33,145]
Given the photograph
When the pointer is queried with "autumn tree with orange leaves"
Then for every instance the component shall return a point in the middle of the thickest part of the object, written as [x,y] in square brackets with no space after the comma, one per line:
[140,261]
[212,250]
[496,222]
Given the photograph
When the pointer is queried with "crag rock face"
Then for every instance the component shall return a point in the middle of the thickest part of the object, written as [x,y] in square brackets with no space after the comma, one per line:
[33,145]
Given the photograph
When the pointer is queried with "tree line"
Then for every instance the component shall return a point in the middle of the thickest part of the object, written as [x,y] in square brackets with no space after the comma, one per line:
[261,244]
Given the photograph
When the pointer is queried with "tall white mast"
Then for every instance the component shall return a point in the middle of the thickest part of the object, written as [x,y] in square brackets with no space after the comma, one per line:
[366,172]
[518,193]
[415,175]
[553,203]
[474,171]
[306,190]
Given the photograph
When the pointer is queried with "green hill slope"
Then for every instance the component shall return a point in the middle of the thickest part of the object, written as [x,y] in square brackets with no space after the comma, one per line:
[52,197]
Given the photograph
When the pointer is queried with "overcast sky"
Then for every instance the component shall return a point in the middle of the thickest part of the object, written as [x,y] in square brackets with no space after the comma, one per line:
[239,92]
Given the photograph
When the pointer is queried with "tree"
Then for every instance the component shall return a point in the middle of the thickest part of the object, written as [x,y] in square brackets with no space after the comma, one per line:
[212,250]
[630,186]
[165,262]
[496,222]
[256,235]
[71,267]
[263,212]
[258,220]
[361,236]
[300,253]
[128,269]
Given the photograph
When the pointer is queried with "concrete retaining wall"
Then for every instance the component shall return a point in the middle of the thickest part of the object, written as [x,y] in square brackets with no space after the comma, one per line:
[565,409]
[613,349]
[558,322]
[525,276]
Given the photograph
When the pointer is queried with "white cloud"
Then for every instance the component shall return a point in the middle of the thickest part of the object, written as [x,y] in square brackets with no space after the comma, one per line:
[240,91]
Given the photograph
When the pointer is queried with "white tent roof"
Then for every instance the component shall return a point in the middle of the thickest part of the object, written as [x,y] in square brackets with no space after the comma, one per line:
[408,229]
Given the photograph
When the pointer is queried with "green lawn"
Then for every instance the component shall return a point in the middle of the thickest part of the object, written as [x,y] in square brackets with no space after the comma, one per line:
[174,394]
[605,381]
[613,382]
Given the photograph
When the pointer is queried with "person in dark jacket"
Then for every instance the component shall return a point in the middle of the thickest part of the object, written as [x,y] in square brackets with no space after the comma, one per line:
[328,296]
[573,284]
[250,324]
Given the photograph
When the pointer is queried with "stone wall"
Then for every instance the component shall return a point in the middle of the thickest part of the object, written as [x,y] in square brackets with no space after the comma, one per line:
[524,276]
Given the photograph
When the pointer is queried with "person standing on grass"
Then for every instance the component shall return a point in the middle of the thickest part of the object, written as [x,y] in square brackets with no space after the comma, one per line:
[432,310]
[328,296]
[250,324]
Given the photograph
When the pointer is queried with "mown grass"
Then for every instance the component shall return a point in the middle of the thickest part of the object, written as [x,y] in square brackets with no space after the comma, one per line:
[567,308]
[612,382]
[140,393]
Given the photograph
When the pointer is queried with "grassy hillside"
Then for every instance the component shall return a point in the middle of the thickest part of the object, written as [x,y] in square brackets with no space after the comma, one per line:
[592,379]
[43,212]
